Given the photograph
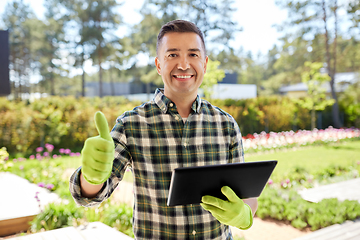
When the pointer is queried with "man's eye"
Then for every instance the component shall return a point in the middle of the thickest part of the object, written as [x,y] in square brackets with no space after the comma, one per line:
[172,55]
[193,55]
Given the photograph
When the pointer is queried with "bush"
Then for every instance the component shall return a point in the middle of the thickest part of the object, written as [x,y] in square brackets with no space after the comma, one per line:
[68,121]
[61,121]
[59,215]
[288,206]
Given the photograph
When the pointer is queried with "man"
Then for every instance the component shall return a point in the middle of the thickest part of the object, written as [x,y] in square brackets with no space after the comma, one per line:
[175,129]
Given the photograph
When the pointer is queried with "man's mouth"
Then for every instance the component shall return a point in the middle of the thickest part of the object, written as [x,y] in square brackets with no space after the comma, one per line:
[183,77]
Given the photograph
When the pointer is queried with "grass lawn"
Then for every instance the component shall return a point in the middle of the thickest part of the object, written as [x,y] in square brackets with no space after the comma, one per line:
[313,159]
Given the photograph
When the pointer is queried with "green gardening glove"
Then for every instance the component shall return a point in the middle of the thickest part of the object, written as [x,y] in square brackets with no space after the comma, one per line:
[233,212]
[97,155]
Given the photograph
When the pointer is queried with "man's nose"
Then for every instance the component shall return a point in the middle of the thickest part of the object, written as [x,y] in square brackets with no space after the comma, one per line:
[183,63]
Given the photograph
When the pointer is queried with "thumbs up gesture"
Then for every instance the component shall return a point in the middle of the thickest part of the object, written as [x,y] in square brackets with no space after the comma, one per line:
[97,154]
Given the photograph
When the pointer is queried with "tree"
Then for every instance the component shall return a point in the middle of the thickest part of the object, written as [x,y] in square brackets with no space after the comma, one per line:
[312,18]
[231,60]
[21,36]
[96,22]
[212,76]
[49,51]
[102,22]
[314,80]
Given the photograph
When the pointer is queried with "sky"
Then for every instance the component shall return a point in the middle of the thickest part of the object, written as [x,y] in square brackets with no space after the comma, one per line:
[255,17]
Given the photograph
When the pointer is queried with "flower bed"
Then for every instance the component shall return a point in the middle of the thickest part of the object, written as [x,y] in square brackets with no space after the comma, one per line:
[272,140]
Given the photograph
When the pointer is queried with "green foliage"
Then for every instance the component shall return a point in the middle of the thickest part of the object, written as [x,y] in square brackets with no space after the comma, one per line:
[314,81]
[212,76]
[55,216]
[288,206]
[64,214]
[350,103]
[64,122]
[3,157]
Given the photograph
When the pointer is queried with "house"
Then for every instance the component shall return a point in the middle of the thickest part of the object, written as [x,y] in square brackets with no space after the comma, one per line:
[342,81]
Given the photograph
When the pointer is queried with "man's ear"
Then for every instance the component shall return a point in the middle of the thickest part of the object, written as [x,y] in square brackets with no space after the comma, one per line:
[205,64]
[157,64]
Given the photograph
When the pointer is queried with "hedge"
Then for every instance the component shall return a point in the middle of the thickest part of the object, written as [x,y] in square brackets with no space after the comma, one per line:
[66,122]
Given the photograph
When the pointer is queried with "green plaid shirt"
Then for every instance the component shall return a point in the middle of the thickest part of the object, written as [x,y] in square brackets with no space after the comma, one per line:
[152,139]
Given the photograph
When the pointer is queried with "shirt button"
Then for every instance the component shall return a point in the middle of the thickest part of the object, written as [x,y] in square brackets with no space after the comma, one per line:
[171,104]
[194,232]
[185,145]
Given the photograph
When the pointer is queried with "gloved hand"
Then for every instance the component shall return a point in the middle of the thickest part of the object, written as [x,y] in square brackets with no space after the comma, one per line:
[233,212]
[97,154]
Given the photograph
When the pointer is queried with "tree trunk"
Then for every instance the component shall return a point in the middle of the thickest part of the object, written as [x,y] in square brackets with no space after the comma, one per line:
[100,72]
[331,72]
[83,70]
[52,83]
[52,80]
[313,119]
[83,82]
[112,81]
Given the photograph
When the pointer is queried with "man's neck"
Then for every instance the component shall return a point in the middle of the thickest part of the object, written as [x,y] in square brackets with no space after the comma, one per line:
[183,103]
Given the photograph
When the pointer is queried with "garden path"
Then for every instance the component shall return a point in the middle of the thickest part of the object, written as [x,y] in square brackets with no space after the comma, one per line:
[346,190]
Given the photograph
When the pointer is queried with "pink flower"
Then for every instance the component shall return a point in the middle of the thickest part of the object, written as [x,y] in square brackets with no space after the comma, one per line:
[46,154]
[41,184]
[270,182]
[14,160]
[32,157]
[54,156]
[72,154]
[49,186]
[21,167]
[39,149]
[61,150]
[67,151]
[78,154]
[287,181]
[49,147]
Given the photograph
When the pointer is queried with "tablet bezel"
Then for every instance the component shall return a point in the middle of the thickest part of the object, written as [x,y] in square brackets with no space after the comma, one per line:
[248,179]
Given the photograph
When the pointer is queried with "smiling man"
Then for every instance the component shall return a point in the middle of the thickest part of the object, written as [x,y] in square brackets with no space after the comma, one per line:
[176,129]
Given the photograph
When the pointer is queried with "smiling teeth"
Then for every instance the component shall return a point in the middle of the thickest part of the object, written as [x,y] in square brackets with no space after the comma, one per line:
[183,76]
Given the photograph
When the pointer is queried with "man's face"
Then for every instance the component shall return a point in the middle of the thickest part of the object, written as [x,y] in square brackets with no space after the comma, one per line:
[181,62]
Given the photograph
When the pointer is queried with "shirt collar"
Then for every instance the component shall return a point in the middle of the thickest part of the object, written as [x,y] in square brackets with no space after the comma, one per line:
[163,102]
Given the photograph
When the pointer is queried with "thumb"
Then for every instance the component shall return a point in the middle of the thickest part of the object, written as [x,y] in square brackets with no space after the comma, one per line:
[102,126]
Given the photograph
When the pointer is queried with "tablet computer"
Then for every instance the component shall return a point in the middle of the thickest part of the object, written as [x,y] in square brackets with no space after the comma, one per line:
[189,184]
